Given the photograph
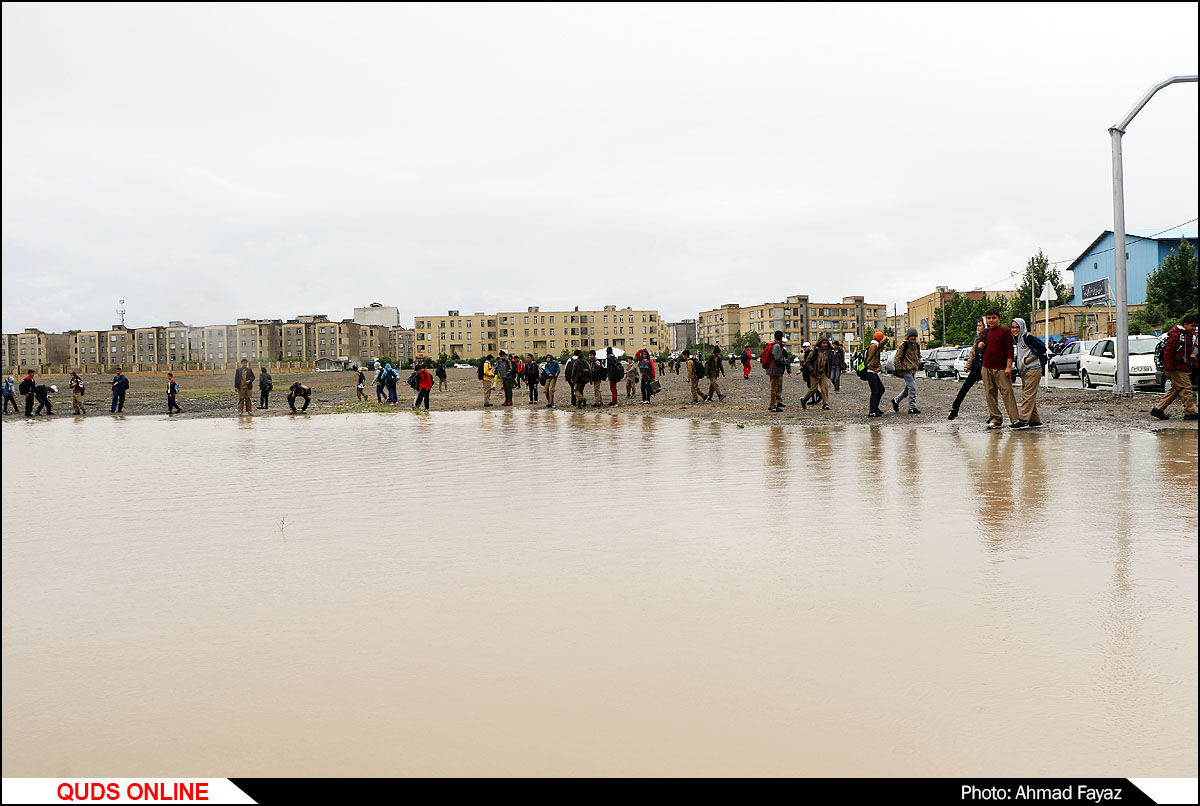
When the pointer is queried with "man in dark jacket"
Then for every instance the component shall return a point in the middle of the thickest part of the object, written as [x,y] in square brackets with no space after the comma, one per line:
[265,386]
[974,369]
[614,372]
[42,393]
[1179,360]
[578,374]
[299,390]
[779,365]
[26,388]
[505,369]
[532,376]
[818,362]
[120,385]
[838,363]
[77,389]
[243,382]
[714,368]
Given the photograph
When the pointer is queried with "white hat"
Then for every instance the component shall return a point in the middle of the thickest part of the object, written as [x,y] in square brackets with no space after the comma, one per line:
[806,344]
[53,388]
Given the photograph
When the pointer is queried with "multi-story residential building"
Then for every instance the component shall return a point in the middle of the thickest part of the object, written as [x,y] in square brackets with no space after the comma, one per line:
[798,318]
[87,347]
[454,334]
[898,323]
[177,343]
[257,340]
[337,340]
[401,344]
[218,345]
[373,342]
[119,350]
[149,345]
[848,321]
[681,334]
[33,348]
[541,332]
[300,337]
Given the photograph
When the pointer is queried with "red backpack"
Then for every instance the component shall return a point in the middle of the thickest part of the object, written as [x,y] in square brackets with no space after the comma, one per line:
[765,359]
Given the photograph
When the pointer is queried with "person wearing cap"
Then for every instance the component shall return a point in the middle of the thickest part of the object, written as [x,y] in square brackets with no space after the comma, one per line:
[10,395]
[908,361]
[26,388]
[871,373]
[77,389]
[42,393]
[778,365]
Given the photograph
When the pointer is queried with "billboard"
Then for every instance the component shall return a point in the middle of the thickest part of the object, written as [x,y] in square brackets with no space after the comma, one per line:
[1095,292]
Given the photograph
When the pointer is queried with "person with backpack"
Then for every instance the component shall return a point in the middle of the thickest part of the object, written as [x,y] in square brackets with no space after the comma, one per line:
[599,374]
[646,378]
[440,372]
[390,378]
[615,373]
[714,368]
[380,382]
[360,385]
[10,397]
[172,392]
[746,359]
[532,376]
[974,369]
[424,385]
[997,371]
[504,371]
[42,394]
[1030,363]
[631,378]
[265,385]
[695,371]
[819,360]
[518,370]
[550,369]
[77,390]
[1179,361]
[774,360]
[837,364]
[301,390]
[908,361]
[578,375]
[26,389]
[486,374]
[867,365]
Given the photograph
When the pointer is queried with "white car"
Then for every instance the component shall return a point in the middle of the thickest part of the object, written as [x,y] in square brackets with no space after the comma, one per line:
[1067,362]
[1099,365]
[960,364]
[463,366]
[887,361]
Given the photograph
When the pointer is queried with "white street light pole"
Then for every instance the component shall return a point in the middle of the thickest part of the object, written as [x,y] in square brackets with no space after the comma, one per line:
[1121,385]
[1047,295]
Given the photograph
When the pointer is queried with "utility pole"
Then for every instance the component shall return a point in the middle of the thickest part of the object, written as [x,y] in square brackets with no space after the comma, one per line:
[1121,385]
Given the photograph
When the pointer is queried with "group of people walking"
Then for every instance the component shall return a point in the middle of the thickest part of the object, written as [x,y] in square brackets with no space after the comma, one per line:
[505,371]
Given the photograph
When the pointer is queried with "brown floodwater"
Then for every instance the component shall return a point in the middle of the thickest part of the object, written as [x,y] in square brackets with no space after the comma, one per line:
[552,593]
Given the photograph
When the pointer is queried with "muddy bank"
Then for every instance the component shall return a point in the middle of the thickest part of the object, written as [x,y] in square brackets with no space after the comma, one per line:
[745,401]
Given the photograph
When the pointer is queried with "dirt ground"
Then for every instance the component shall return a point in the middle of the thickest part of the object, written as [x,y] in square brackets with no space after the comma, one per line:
[745,402]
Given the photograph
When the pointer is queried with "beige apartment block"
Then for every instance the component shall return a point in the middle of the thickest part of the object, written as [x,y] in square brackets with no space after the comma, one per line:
[118,348]
[401,344]
[541,332]
[373,341]
[850,321]
[300,337]
[219,345]
[177,343]
[898,323]
[87,348]
[454,334]
[149,345]
[33,348]
[800,320]
[258,340]
[337,340]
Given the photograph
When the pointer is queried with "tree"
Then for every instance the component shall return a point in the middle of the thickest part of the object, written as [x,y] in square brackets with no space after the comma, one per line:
[961,313]
[1037,272]
[1173,286]
[742,340]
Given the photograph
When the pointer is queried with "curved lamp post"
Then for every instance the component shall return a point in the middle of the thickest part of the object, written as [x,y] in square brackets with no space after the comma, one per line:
[1121,385]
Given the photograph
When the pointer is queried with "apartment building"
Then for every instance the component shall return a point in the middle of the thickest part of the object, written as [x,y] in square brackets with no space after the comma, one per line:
[799,318]
[34,348]
[149,345]
[257,340]
[454,334]
[218,345]
[898,323]
[373,341]
[300,337]
[681,334]
[848,321]
[177,343]
[540,332]
[86,347]
[336,340]
[402,344]
[378,314]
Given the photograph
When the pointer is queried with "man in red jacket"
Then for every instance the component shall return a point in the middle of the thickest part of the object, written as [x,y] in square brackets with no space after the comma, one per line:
[997,369]
[1179,359]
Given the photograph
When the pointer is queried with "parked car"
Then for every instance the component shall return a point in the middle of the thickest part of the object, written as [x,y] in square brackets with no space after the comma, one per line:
[1067,362]
[940,362]
[961,370]
[887,360]
[1099,365]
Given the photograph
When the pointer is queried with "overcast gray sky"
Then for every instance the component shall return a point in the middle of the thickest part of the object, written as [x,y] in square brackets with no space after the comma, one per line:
[208,162]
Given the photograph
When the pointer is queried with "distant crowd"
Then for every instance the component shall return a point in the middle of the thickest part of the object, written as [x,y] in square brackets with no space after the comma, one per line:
[998,356]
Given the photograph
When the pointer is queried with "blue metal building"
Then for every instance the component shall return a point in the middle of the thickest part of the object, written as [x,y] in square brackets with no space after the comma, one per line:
[1094,268]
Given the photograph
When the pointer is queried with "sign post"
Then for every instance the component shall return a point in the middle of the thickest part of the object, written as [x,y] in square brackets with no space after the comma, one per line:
[1047,295]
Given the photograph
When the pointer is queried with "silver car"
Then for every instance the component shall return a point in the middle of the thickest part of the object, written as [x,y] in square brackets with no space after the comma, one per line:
[1067,362]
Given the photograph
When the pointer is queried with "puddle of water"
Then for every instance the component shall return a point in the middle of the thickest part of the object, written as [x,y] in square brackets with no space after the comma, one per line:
[546,593]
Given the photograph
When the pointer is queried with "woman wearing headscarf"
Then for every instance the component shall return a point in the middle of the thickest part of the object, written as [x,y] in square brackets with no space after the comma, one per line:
[390,376]
[974,367]
[1031,360]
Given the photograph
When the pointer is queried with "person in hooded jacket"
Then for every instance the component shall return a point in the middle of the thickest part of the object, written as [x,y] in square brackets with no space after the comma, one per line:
[440,372]
[1179,364]
[872,371]
[819,360]
[780,364]
[265,385]
[838,359]
[746,359]
[714,368]
[10,396]
[646,373]
[532,376]
[380,383]
[908,361]
[1030,363]
[424,384]
[552,369]
[614,372]
[120,385]
[579,374]
[390,379]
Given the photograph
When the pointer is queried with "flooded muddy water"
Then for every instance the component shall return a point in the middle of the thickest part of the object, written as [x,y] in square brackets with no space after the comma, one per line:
[548,593]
